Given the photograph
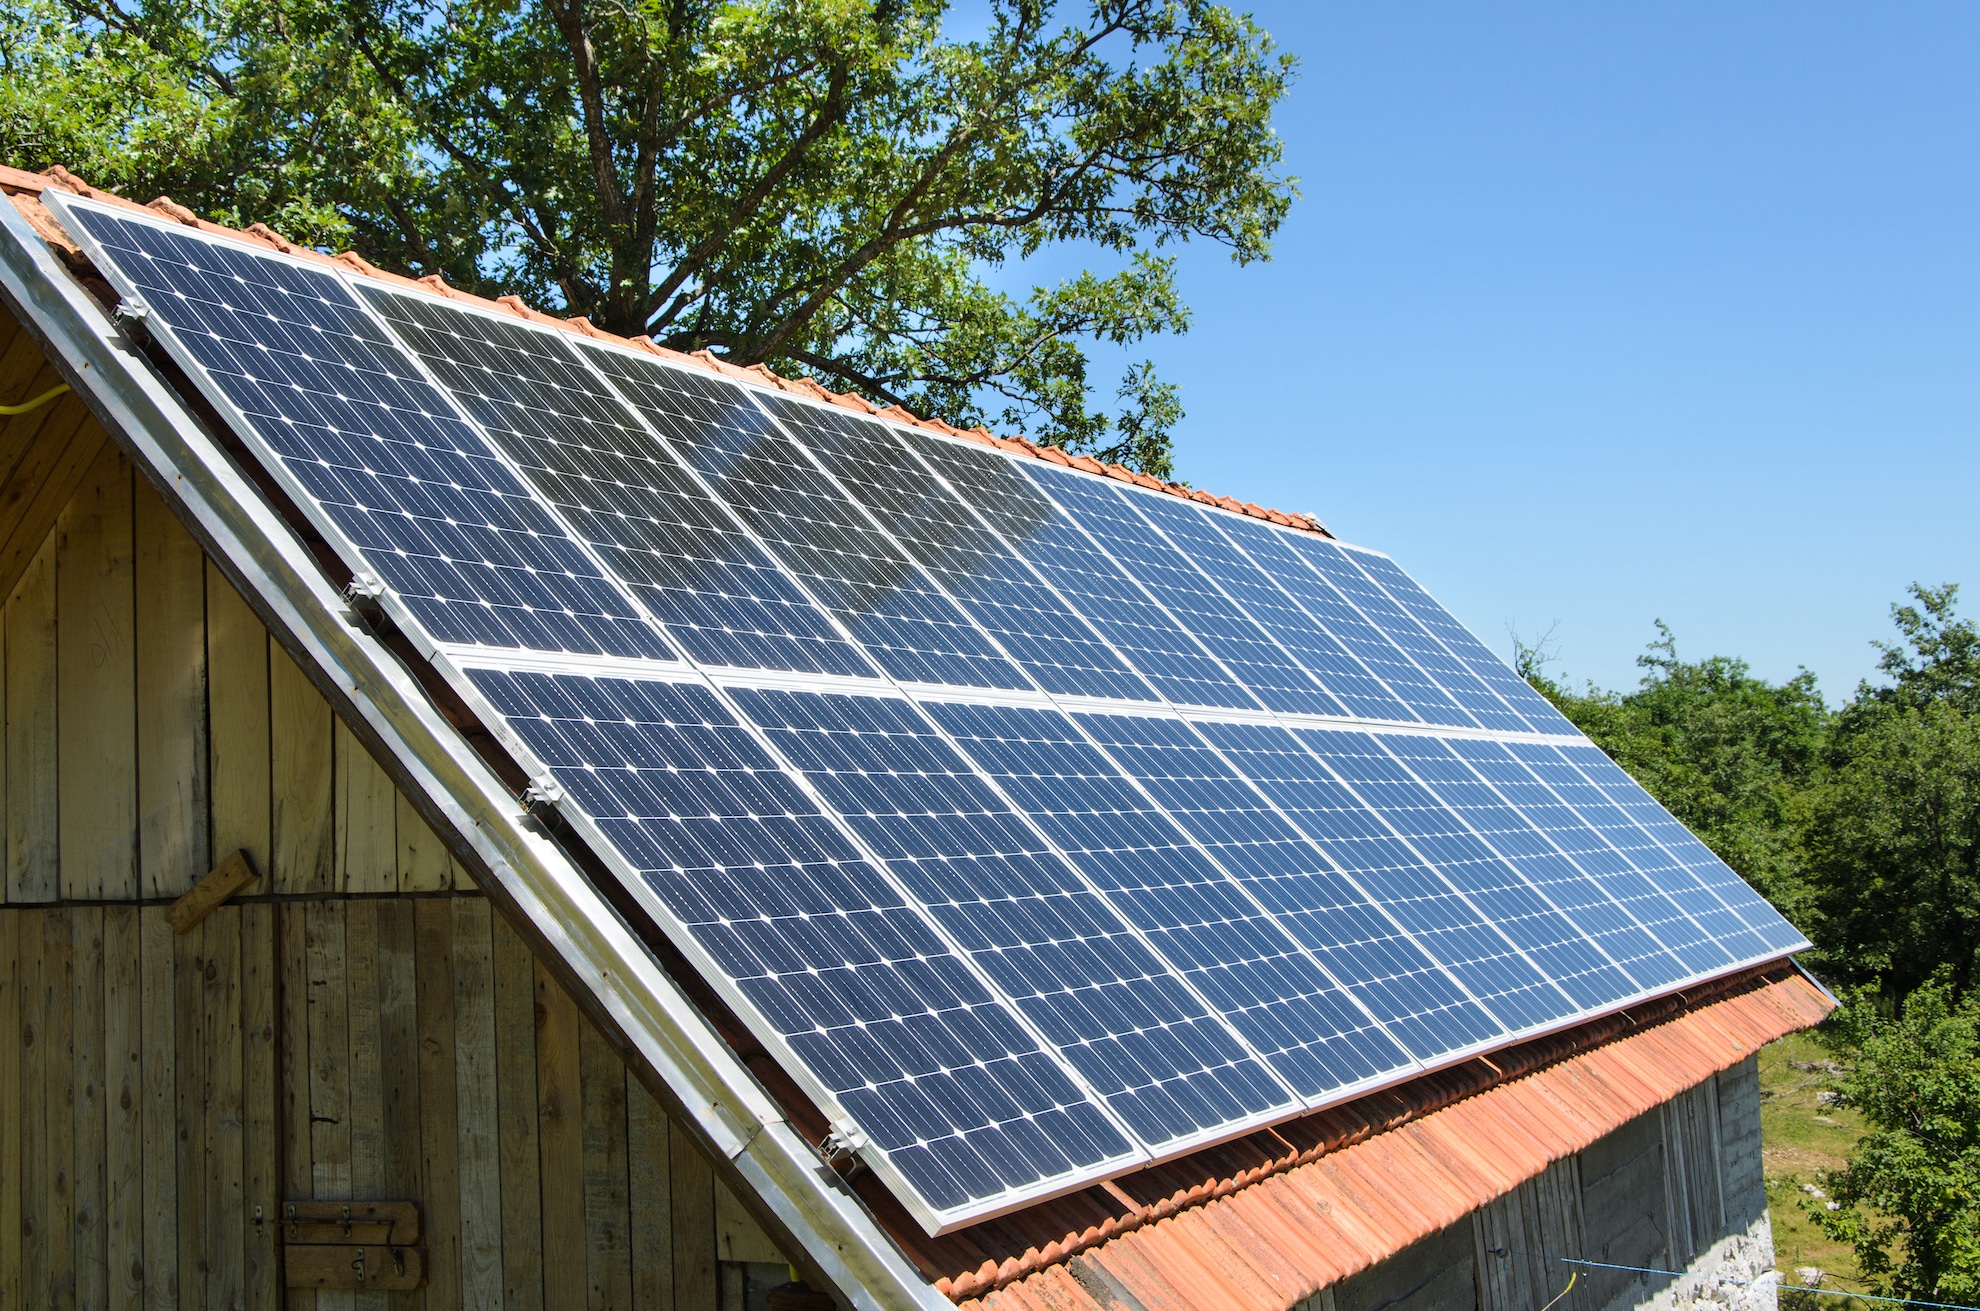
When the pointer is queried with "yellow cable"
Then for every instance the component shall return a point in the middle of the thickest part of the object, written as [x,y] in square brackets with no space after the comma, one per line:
[37,402]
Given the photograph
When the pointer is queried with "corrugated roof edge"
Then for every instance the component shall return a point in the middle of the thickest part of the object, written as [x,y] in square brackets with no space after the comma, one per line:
[25,189]
[1512,1112]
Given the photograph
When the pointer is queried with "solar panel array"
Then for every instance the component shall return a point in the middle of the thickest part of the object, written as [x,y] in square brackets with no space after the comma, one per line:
[1042,825]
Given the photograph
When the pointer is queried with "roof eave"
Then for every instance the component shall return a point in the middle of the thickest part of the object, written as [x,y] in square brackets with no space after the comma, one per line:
[666,1039]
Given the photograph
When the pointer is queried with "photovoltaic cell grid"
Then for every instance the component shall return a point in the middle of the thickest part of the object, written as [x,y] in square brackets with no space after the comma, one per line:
[1015,946]
[350,418]
[926,1061]
[626,494]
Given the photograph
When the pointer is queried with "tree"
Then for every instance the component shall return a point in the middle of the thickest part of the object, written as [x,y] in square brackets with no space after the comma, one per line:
[1724,751]
[1909,1199]
[825,186]
[1891,837]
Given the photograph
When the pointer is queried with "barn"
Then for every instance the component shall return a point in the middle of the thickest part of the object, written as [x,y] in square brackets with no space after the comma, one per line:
[503,816]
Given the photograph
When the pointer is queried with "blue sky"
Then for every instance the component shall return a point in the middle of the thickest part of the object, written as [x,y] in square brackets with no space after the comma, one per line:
[1598,314]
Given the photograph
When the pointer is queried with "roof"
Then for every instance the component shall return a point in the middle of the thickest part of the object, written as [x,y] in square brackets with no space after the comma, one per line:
[25,187]
[1267,1220]
[1261,1221]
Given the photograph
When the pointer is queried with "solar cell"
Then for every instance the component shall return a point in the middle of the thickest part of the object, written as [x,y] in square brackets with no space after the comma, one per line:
[1196,531]
[1038,629]
[1675,838]
[1140,1038]
[1012,937]
[1476,657]
[1627,886]
[1577,896]
[1276,554]
[372,444]
[626,494]
[819,533]
[1191,598]
[1338,567]
[1094,584]
[887,1022]
[1230,949]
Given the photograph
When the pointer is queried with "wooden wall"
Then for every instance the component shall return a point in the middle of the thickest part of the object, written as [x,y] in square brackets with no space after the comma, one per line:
[358,1024]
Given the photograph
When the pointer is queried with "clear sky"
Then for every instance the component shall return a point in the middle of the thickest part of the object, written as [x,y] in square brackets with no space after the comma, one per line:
[1598,314]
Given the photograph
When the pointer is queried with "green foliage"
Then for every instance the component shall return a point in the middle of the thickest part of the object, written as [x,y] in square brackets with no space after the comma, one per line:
[827,186]
[1909,1199]
[1891,836]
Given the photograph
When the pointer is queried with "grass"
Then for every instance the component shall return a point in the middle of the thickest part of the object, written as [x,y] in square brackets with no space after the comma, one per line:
[1800,1138]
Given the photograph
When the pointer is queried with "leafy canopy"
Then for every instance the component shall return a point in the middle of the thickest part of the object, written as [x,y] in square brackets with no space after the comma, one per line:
[1908,1202]
[825,186]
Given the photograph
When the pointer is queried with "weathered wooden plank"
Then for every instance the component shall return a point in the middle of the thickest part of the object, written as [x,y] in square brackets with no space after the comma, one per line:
[476,1075]
[398,1047]
[223,881]
[160,1116]
[433,927]
[738,1237]
[37,1049]
[607,1207]
[695,1272]
[303,772]
[515,1091]
[123,1107]
[86,987]
[226,1147]
[293,1053]
[424,865]
[190,1069]
[560,1118]
[12,1032]
[59,1088]
[96,684]
[171,699]
[649,1155]
[3,770]
[33,809]
[367,820]
[261,1148]
[237,719]
[329,1052]
[365,1077]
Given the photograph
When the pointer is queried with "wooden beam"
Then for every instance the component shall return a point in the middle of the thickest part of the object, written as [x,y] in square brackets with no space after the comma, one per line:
[220,883]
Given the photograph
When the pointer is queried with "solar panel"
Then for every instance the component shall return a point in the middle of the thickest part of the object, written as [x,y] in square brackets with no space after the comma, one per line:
[372,445]
[1196,531]
[872,1005]
[1040,825]
[1216,936]
[1190,597]
[856,569]
[961,552]
[626,494]
[1135,1032]
[1090,581]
